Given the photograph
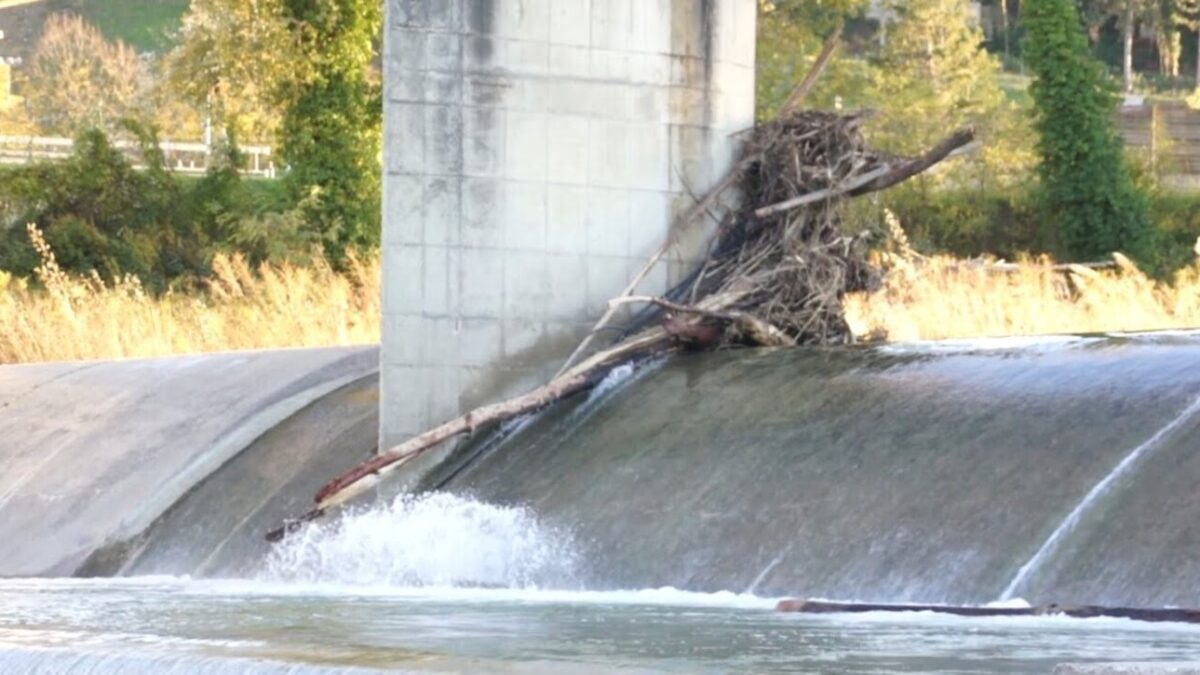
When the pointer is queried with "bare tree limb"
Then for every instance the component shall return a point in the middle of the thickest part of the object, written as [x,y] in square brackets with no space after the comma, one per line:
[810,80]
[879,179]
[760,332]
[682,223]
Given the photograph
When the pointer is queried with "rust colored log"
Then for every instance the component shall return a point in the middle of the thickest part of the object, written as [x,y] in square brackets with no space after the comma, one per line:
[364,476]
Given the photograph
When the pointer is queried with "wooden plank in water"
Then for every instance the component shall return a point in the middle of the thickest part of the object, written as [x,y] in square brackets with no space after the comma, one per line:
[1177,615]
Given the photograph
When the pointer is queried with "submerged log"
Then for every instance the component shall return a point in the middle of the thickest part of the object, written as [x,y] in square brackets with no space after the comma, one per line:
[1156,615]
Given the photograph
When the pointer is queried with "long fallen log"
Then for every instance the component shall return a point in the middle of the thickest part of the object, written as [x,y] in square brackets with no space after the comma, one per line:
[367,475]
[1155,615]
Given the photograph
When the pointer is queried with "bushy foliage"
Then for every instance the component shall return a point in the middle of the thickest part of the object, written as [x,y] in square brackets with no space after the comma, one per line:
[233,61]
[932,74]
[1085,184]
[1002,221]
[102,214]
[1010,221]
[332,124]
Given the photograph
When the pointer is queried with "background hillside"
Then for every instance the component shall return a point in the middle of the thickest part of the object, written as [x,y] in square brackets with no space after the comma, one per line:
[146,25]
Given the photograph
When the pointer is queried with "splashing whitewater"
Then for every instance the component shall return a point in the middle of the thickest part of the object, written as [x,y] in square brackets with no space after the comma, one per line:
[434,540]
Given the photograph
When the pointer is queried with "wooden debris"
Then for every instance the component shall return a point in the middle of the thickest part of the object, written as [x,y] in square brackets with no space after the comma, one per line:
[773,277]
[1076,611]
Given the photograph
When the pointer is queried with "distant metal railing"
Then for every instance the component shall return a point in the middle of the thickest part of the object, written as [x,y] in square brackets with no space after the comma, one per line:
[185,158]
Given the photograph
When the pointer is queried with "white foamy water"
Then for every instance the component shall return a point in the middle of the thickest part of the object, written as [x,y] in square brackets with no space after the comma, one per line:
[435,540]
[1027,343]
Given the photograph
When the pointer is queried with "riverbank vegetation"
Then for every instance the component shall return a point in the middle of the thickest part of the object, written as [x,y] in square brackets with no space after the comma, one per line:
[61,316]
[149,262]
[942,296]
[56,315]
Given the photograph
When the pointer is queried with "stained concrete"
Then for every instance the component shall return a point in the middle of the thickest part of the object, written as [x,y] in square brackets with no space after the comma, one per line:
[92,453]
[536,153]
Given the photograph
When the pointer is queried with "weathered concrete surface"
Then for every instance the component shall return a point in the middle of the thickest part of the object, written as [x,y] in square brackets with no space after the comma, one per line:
[536,151]
[92,453]
[1192,668]
[217,529]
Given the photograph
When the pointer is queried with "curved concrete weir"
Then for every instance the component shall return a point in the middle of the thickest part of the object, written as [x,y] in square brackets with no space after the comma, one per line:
[927,474]
[94,453]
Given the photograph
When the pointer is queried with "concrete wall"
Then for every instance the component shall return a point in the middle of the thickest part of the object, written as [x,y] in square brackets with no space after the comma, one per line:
[536,151]
[94,452]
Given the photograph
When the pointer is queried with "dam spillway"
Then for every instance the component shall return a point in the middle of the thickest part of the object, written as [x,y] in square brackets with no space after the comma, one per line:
[924,473]
[95,454]
[928,473]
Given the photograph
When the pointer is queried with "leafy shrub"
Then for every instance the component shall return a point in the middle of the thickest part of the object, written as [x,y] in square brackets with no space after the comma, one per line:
[100,213]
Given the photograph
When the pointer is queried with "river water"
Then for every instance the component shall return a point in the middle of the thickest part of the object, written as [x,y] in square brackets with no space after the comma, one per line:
[445,583]
[166,625]
[1058,471]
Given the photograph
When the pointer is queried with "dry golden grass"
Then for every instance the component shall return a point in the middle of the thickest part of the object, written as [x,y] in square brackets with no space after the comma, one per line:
[943,297]
[69,317]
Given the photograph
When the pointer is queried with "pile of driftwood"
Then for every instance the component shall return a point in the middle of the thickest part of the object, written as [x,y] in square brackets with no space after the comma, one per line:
[777,269]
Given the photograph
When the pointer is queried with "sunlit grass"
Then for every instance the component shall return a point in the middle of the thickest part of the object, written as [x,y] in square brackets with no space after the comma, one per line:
[944,297]
[66,317]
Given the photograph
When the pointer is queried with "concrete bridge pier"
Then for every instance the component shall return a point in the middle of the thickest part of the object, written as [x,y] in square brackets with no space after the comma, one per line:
[536,152]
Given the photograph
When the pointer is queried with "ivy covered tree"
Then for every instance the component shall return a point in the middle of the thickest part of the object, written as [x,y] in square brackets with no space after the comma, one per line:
[242,62]
[331,126]
[1187,15]
[1086,186]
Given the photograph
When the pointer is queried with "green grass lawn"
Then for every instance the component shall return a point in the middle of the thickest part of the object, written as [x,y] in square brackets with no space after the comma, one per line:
[1016,88]
[147,25]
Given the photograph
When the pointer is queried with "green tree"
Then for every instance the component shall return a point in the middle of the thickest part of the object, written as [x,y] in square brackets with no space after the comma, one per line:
[790,35]
[933,75]
[331,127]
[1085,183]
[1187,15]
[234,62]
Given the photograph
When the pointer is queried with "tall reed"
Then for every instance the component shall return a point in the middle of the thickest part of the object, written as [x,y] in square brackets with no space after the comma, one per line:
[68,317]
[945,297]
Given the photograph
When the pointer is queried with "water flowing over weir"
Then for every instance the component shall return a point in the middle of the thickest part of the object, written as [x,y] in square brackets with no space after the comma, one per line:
[1060,469]
[927,473]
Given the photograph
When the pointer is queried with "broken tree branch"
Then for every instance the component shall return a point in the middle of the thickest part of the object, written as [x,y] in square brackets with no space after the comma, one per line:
[759,332]
[691,215]
[879,179]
